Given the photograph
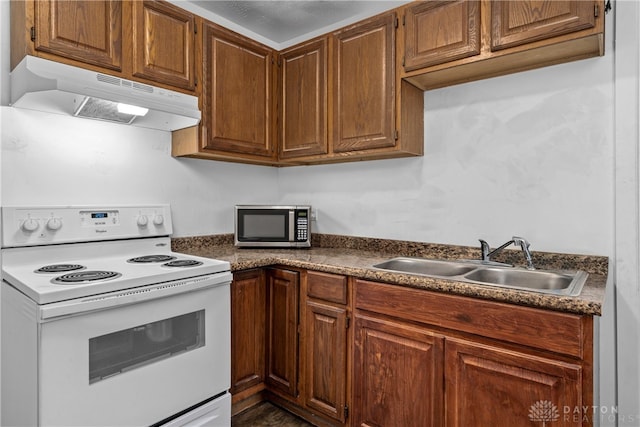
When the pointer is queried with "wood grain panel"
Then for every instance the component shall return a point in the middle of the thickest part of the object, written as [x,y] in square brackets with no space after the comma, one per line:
[163,43]
[86,31]
[548,330]
[490,386]
[441,31]
[326,359]
[398,374]
[303,100]
[248,319]
[364,85]
[282,330]
[237,104]
[524,21]
[327,286]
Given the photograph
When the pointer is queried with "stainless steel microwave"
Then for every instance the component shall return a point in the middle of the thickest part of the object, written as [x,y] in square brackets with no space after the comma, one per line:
[273,226]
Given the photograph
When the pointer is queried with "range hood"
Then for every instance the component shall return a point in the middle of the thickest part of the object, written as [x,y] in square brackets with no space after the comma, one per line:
[43,85]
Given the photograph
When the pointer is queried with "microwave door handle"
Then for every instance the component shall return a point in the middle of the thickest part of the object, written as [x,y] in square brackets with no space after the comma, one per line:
[292,231]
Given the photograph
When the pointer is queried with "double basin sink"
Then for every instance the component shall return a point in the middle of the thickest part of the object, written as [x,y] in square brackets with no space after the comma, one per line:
[542,281]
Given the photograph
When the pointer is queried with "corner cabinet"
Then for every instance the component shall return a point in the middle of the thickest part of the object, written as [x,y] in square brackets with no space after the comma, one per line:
[150,41]
[362,110]
[463,361]
[303,93]
[364,69]
[237,101]
[336,98]
[452,42]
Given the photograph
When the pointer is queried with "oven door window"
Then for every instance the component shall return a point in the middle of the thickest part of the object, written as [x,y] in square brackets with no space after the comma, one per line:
[120,351]
[263,225]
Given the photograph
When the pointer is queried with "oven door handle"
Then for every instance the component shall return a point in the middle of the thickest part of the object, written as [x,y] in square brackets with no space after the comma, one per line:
[62,309]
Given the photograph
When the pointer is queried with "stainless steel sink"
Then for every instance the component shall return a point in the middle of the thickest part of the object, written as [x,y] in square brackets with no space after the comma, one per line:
[533,280]
[550,282]
[427,267]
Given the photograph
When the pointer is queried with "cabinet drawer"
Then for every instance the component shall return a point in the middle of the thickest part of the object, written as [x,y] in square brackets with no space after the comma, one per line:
[562,333]
[328,287]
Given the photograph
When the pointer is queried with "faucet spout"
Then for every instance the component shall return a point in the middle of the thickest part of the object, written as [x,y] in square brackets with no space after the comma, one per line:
[487,253]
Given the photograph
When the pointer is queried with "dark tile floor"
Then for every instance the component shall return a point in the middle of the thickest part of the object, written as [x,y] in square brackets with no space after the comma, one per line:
[266,414]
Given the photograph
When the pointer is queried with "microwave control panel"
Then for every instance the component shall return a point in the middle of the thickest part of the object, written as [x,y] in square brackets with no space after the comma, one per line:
[302,225]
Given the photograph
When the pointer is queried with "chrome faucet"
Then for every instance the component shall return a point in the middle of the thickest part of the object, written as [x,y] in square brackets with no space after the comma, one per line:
[487,253]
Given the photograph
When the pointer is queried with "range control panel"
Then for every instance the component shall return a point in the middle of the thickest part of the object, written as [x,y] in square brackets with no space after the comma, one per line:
[30,226]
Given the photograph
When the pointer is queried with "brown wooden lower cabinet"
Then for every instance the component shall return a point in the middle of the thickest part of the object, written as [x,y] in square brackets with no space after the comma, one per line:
[398,374]
[413,357]
[247,330]
[326,341]
[487,385]
[433,359]
[282,331]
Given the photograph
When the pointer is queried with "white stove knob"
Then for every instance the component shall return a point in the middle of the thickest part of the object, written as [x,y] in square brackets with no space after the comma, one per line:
[142,220]
[158,219]
[54,224]
[30,225]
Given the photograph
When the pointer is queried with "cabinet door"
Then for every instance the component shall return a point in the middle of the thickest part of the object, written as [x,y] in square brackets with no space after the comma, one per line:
[282,331]
[523,21]
[326,359]
[86,31]
[238,84]
[248,318]
[364,85]
[163,43]
[441,31]
[303,86]
[398,378]
[489,386]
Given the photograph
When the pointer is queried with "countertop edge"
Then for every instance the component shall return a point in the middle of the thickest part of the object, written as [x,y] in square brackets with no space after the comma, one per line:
[357,262]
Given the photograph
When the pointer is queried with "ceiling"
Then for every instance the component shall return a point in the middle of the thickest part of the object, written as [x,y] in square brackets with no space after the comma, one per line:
[286,22]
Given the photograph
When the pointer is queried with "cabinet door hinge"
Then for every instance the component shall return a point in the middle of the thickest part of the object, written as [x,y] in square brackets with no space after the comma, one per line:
[33,34]
[346,411]
[396,134]
[347,322]
[596,10]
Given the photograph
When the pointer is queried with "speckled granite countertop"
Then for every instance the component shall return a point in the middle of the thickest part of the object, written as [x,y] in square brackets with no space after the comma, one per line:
[354,256]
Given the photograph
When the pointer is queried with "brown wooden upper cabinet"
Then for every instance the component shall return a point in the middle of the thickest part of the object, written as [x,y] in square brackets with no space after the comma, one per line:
[457,41]
[303,99]
[441,31]
[518,22]
[150,41]
[86,31]
[237,99]
[341,98]
[164,43]
[364,106]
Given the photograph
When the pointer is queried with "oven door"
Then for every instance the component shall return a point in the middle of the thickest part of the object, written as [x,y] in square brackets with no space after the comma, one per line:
[135,363]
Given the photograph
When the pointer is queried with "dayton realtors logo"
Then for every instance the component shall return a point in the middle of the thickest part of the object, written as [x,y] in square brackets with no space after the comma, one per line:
[544,411]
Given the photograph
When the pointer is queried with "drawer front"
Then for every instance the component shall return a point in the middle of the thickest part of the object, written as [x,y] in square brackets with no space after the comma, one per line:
[562,333]
[328,287]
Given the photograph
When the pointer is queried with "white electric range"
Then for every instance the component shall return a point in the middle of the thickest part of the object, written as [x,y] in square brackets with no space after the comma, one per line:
[98,312]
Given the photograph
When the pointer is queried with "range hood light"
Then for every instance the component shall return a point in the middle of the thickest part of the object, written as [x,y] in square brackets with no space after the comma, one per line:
[134,110]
